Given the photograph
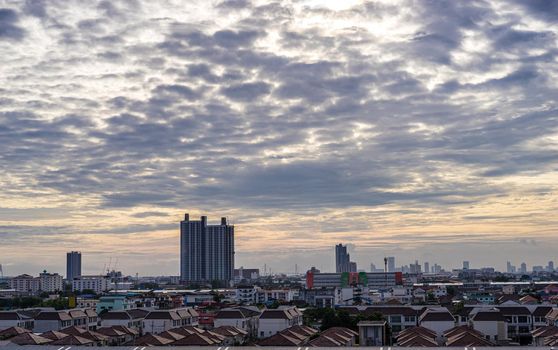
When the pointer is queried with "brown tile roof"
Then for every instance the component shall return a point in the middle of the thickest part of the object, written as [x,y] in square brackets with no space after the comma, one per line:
[324,341]
[391,310]
[53,316]
[171,335]
[436,315]
[29,339]
[73,330]
[131,331]
[77,314]
[72,340]
[276,314]
[229,331]
[116,315]
[511,310]
[12,332]
[54,335]
[194,339]
[545,331]
[488,315]
[552,314]
[137,313]
[162,315]
[542,311]
[417,340]
[11,315]
[110,332]
[468,339]
[551,341]
[280,339]
[230,314]
[150,340]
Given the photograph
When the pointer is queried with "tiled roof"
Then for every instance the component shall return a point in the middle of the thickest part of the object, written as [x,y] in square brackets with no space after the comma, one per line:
[436,316]
[53,316]
[12,332]
[280,339]
[137,313]
[545,331]
[162,315]
[492,315]
[230,314]
[542,311]
[77,314]
[511,310]
[72,340]
[10,315]
[194,339]
[29,339]
[276,314]
[150,340]
[171,335]
[116,315]
[54,335]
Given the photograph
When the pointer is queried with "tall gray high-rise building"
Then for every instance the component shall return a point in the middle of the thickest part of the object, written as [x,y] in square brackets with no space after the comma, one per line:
[206,251]
[342,259]
[390,264]
[73,265]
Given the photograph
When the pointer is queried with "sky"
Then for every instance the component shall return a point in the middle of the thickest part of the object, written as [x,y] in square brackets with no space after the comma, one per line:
[418,129]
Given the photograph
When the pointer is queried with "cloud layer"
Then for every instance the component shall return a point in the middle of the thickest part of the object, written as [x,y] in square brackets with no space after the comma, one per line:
[387,124]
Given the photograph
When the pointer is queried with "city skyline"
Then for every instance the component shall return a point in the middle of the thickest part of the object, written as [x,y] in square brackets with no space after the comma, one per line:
[422,130]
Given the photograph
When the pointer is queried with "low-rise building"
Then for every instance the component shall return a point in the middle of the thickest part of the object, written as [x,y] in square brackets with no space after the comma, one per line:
[273,321]
[97,284]
[26,283]
[10,319]
[51,321]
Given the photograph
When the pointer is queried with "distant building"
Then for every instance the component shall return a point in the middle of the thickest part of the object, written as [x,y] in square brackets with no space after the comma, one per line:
[465,265]
[426,267]
[390,264]
[206,251]
[550,266]
[243,274]
[345,279]
[73,265]
[51,282]
[98,284]
[26,284]
[342,259]
[523,268]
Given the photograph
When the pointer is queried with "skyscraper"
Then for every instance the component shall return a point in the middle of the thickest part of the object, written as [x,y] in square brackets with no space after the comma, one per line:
[206,251]
[342,259]
[73,265]
[390,264]
[426,267]
[523,268]
[465,265]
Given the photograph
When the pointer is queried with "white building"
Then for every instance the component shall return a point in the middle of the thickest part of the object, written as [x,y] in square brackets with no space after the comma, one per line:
[51,282]
[274,321]
[438,320]
[98,284]
[491,322]
[51,321]
[26,283]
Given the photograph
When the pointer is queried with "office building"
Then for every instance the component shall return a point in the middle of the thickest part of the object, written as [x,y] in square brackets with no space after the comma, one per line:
[390,264]
[523,268]
[342,259]
[206,251]
[426,267]
[550,266]
[73,265]
[373,280]
[465,265]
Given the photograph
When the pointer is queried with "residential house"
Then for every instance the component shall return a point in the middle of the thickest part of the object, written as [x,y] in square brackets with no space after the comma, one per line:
[51,321]
[438,320]
[161,320]
[491,323]
[244,318]
[272,321]
[15,319]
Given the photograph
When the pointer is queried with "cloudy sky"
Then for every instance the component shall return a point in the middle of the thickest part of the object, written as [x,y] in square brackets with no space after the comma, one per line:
[421,129]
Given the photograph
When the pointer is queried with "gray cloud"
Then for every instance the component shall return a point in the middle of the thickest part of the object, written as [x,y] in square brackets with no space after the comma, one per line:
[9,29]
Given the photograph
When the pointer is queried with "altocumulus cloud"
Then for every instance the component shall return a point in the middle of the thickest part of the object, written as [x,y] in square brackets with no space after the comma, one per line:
[137,110]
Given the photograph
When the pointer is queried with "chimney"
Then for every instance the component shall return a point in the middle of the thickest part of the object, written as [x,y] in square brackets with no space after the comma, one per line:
[223,221]
[186,217]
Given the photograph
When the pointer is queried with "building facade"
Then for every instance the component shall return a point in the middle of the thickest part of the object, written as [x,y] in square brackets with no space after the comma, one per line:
[51,282]
[206,251]
[98,284]
[73,265]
